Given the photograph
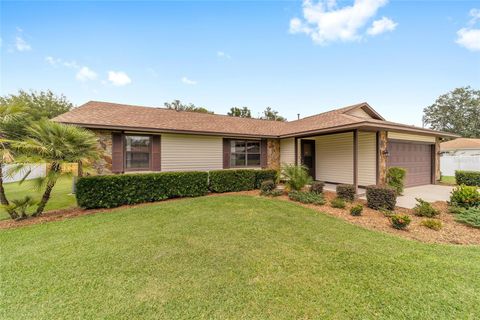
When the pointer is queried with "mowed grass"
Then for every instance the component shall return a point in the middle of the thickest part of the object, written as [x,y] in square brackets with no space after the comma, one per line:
[61,195]
[449,180]
[229,257]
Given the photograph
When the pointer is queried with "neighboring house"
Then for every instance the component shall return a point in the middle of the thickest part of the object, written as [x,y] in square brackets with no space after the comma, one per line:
[459,154]
[352,145]
[34,171]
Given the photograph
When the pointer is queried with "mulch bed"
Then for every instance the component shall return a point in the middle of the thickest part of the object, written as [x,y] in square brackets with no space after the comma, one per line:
[452,232]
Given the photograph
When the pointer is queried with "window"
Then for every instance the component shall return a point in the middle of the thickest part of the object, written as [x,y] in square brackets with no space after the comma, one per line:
[137,152]
[244,153]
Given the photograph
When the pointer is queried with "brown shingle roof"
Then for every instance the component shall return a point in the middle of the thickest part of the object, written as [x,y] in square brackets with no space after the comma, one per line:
[460,143]
[95,114]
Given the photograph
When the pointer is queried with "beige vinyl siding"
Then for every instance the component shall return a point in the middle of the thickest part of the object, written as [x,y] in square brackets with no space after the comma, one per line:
[182,152]
[334,157]
[287,151]
[359,112]
[410,137]
[367,158]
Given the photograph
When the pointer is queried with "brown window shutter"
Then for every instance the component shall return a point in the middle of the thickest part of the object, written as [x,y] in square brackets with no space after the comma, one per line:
[117,152]
[156,154]
[263,153]
[226,153]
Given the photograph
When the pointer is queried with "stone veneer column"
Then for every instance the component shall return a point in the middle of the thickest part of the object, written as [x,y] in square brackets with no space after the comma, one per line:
[437,159]
[273,154]
[105,143]
[382,157]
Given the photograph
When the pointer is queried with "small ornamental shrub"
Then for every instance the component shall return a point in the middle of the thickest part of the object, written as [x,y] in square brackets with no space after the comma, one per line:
[470,217]
[267,186]
[400,221]
[432,224]
[425,209]
[296,177]
[232,180]
[454,209]
[338,203]
[273,193]
[396,179]
[387,213]
[468,178]
[380,197]
[346,192]
[465,197]
[116,190]
[356,210]
[264,175]
[317,186]
[307,197]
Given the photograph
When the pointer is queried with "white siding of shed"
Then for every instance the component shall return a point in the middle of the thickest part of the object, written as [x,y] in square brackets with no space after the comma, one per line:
[410,137]
[182,152]
[287,151]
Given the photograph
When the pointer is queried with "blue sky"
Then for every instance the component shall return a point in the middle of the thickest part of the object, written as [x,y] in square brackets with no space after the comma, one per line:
[295,57]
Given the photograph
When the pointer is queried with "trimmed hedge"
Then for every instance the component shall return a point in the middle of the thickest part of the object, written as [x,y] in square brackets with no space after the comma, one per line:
[116,190]
[379,197]
[468,178]
[346,192]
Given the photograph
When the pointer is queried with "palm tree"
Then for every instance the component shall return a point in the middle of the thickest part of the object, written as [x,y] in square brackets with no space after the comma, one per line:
[57,144]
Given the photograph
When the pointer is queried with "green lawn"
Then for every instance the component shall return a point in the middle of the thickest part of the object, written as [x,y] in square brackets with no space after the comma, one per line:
[61,195]
[449,180]
[229,257]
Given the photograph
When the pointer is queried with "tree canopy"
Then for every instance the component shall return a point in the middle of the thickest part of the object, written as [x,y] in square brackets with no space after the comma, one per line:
[457,111]
[178,106]
[270,114]
[242,112]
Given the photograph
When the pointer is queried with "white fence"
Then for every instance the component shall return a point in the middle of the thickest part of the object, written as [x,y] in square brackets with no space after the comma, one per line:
[36,170]
[450,163]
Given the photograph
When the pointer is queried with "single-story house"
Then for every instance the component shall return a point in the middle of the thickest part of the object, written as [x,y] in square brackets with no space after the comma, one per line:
[459,154]
[352,145]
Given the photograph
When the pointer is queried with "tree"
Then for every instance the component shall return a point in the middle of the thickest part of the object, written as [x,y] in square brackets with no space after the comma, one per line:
[57,144]
[35,106]
[178,106]
[457,111]
[243,112]
[270,114]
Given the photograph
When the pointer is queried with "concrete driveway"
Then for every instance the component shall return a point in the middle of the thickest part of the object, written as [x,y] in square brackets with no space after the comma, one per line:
[430,193]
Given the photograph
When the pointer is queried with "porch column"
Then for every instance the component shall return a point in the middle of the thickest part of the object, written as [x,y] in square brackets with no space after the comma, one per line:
[296,150]
[355,160]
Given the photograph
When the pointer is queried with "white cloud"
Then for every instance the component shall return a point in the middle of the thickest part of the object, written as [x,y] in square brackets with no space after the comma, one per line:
[469,37]
[118,78]
[382,25]
[57,62]
[325,22]
[85,74]
[223,55]
[22,45]
[189,81]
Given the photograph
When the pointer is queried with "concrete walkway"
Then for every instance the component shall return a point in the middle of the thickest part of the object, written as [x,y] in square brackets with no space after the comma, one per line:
[430,193]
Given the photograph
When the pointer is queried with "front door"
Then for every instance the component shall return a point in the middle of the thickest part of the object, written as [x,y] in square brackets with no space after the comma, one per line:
[308,156]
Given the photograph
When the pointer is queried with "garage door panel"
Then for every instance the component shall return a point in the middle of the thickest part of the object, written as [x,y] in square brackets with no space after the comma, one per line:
[415,158]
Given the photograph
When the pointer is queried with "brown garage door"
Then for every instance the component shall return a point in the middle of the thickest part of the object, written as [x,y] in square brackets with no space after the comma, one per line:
[416,158]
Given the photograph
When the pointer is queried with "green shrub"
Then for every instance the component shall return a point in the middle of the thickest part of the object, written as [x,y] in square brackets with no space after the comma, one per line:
[338,203]
[116,190]
[454,209]
[267,186]
[465,197]
[346,192]
[272,193]
[470,217]
[317,186]
[264,175]
[307,197]
[468,178]
[356,210]
[232,180]
[387,213]
[425,209]
[432,224]
[396,178]
[296,177]
[380,197]
[400,221]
